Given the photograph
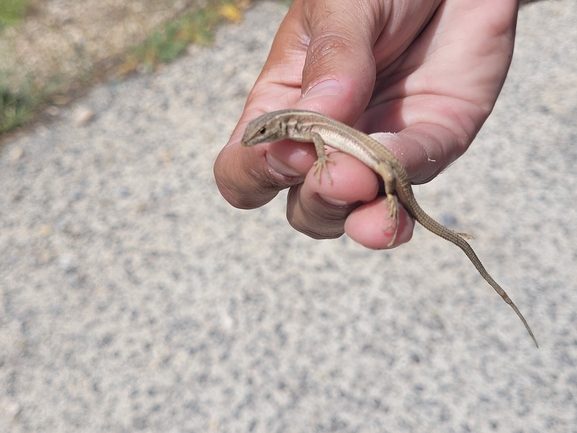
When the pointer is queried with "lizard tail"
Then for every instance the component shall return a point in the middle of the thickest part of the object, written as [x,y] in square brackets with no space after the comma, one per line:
[430,224]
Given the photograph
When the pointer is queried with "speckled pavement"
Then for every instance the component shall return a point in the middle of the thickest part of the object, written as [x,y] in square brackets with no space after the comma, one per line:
[134,298]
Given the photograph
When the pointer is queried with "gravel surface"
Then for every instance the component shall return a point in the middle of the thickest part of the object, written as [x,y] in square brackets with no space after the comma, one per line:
[134,298]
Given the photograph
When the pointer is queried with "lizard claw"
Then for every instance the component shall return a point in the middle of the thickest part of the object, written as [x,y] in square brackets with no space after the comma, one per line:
[466,236]
[320,165]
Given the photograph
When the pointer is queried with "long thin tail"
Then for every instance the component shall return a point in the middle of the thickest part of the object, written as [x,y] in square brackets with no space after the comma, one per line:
[408,199]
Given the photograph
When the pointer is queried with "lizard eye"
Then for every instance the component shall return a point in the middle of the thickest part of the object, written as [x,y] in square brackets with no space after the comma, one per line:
[262,130]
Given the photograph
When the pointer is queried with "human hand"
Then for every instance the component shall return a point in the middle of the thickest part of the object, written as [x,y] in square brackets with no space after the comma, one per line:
[428,70]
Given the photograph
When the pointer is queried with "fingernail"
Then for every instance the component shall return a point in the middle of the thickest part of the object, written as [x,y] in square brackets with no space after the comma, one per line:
[324,88]
[333,201]
[280,167]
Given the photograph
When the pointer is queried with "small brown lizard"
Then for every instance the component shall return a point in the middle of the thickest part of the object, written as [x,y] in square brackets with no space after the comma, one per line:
[309,126]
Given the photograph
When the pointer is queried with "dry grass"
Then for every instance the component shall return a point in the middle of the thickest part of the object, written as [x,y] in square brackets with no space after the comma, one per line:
[63,45]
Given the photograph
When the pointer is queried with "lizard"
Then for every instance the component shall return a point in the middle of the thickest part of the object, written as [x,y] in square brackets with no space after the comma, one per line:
[321,130]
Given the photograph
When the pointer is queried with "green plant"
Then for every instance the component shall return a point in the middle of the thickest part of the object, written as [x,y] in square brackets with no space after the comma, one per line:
[15,109]
[167,43]
[18,104]
[12,12]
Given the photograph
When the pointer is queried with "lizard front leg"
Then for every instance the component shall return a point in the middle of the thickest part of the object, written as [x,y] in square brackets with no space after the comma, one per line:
[322,158]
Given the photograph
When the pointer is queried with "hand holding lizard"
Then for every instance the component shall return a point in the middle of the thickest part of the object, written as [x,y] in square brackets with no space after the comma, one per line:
[429,70]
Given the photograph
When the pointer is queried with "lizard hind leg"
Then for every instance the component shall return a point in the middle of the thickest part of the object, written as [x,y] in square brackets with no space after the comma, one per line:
[390,183]
[393,204]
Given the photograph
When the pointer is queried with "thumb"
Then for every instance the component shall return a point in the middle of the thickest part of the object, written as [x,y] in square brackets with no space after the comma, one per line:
[339,70]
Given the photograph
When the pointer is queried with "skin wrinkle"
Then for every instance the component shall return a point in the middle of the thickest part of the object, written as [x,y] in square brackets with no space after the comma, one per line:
[433,148]
[318,210]
[321,54]
[406,72]
[466,124]
[360,7]
[327,44]
[432,153]
[389,32]
[393,77]
[463,128]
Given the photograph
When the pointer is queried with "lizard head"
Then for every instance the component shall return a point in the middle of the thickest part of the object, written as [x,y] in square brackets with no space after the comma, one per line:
[267,128]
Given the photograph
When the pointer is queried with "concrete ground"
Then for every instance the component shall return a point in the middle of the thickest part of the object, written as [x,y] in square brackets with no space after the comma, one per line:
[134,298]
